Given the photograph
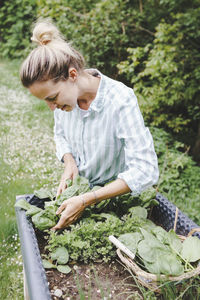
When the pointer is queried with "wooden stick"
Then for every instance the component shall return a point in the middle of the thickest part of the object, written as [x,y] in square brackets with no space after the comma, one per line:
[119,245]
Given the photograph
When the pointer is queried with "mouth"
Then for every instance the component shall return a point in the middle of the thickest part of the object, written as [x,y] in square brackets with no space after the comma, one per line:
[63,107]
[66,108]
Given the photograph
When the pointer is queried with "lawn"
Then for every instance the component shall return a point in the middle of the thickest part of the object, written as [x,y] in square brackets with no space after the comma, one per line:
[28,162]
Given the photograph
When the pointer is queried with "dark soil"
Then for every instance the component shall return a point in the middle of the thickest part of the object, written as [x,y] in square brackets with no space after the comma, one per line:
[94,281]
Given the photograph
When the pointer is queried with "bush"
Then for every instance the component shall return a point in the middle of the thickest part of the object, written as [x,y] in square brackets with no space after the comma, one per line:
[16,18]
[165,74]
[179,174]
[101,30]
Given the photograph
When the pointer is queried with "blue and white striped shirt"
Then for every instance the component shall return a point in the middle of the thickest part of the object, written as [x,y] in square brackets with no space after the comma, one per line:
[109,140]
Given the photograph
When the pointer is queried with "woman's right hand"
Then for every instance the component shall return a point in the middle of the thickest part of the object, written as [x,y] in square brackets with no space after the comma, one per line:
[70,172]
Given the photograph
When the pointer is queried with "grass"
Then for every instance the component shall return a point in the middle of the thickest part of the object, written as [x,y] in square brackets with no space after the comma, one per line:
[28,162]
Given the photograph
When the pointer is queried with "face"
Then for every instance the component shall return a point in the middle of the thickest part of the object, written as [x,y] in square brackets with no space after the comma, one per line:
[62,94]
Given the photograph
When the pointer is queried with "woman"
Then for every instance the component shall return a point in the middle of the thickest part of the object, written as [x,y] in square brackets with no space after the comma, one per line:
[99,130]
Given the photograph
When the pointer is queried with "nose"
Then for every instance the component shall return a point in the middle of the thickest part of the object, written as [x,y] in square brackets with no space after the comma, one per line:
[51,105]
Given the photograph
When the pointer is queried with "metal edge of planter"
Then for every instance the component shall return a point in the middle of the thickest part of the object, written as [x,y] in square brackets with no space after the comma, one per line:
[37,284]
[35,275]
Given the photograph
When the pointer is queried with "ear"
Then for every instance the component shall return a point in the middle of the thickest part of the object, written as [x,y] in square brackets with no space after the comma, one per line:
[73,74]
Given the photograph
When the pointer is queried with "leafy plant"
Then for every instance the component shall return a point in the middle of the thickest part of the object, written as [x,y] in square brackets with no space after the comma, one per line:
[179,174]
[15,27]
[165,75]
[159,251]
[162,252]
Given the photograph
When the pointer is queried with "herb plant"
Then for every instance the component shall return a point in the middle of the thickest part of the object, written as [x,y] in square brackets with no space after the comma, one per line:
[158,251]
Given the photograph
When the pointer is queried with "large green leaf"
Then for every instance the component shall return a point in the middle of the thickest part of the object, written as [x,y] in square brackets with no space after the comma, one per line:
[191,249]
[160,233]
[44,193]
[151,239]
[130,240]
[139,212]
[33,210]
[47,264]
[42,222]
[22,203]
[174,241]
[149,250]
[61,255]
[63,269]
[166,264]
[168,238]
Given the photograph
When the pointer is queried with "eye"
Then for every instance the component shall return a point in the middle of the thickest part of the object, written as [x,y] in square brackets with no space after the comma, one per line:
[52,98]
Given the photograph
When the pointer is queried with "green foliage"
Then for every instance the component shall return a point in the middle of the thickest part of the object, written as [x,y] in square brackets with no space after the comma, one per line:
[16,18]
[88,239]
[47,218]
[179,175]
[162,61]
[131,240]
[101,30]
[165,73]
[61,255]
[162,252]
[191,249]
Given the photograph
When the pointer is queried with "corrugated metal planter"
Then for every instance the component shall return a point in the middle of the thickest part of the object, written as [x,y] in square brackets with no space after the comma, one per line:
[37,288]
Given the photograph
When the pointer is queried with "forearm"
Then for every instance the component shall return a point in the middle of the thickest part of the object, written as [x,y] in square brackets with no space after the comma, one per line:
[72,208]
[113,189]
[68,159]
[70,172]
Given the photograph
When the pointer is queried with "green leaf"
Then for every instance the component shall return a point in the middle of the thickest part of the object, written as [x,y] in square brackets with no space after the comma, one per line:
[174,241]
[166,264]
[44,193]
[139,212]
[61,255]
[22,203]
[47,264]
[150,250]
[42,222]
[151,239]
[130,240]
[33,210]
[191,249]
[148,194]
[69,182]
[168,238]
[64,269]
[160,233]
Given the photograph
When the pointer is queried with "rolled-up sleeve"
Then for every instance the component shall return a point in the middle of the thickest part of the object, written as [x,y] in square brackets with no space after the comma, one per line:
[62,146]
[141,165]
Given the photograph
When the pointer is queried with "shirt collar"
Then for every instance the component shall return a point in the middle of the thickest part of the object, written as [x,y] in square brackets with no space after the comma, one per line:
[98,102]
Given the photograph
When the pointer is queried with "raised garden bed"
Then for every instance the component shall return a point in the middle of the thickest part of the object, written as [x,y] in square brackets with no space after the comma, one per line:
[99,280]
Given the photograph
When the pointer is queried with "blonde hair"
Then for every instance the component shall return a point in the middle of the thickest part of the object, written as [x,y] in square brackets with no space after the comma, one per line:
[52,58]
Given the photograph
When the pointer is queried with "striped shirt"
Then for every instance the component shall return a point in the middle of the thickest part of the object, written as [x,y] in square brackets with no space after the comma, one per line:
[109,140]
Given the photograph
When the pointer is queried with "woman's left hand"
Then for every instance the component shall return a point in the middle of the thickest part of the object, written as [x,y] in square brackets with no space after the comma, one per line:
[70,210]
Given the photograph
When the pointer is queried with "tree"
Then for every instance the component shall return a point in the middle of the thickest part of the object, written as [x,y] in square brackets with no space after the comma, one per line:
[165,75]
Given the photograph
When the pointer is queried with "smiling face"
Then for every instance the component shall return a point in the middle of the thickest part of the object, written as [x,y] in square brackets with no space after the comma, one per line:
[62,94]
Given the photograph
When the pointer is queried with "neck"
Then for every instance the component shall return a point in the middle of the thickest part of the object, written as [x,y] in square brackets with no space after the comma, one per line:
[88,87]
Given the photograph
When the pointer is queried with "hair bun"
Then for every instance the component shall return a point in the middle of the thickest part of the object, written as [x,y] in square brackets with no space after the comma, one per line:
[44,32]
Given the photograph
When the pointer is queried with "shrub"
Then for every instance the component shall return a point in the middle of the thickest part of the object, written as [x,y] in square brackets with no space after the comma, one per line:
[16,18]
[165,74]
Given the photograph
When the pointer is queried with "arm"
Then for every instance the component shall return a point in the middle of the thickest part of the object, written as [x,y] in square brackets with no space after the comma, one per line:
[72,208]
[141,165]
[62,144]
[70,172]
[140,170]
[63,151]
